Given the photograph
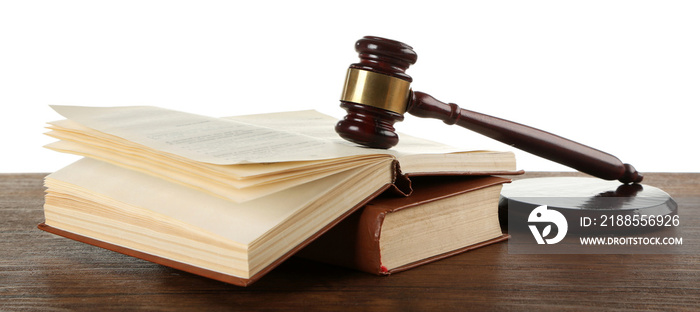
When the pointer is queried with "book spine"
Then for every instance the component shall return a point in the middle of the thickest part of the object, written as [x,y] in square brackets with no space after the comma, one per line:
[354,243]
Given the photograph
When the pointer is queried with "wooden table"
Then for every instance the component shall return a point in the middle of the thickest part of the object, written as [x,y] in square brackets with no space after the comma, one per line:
[39,271]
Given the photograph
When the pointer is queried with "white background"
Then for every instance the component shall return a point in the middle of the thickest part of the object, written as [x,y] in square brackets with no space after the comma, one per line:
[621,76]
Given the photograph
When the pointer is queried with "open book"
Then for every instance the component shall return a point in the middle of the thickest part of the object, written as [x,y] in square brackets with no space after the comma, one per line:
[226,198]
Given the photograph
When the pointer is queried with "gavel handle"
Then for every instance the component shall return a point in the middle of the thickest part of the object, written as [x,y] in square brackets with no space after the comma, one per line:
[541,143]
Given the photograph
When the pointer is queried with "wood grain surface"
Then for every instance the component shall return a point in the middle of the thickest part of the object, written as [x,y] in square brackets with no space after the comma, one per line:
[40,271]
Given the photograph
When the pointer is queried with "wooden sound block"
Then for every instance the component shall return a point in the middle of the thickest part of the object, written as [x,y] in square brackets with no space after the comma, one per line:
[607,205]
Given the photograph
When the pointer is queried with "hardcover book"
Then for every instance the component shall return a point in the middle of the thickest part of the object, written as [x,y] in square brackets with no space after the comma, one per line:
[444,216]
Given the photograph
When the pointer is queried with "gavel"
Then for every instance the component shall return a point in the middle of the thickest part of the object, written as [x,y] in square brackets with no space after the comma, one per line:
[377,92]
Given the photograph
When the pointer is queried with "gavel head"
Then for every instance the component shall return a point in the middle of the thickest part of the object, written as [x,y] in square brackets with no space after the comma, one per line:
[376,92]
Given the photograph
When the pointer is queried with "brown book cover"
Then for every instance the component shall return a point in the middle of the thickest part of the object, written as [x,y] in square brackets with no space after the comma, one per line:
[354,243]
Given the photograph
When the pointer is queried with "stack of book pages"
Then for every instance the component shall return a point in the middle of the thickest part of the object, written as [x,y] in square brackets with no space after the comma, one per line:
[231,198]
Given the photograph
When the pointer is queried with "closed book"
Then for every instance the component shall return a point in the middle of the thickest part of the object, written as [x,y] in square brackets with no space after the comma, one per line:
[444,216]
